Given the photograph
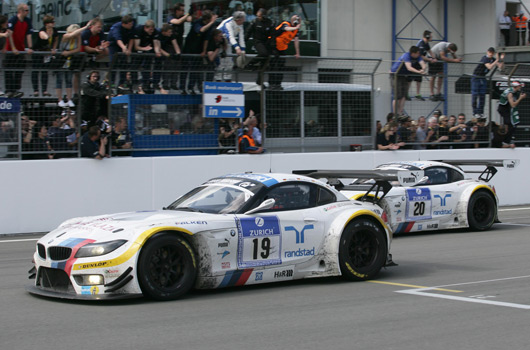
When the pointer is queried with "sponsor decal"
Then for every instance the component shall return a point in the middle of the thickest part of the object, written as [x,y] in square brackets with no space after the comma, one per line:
[93,265]
[336,205]
[225,265]
[224,254]
[191,223]
[398,211]
[398,219]
[510,164]
[266,180]
[111,271]
[92,225]
[260,226]
[235,278]
[259,276]
[224,244]
[300,252]
[432,226]
[259,241]
[283,274]
[299,234]
[420,227]
[443,200]
[443,212]
[397,205]
[246,184]
[89,290]
[232,233]
[419,204]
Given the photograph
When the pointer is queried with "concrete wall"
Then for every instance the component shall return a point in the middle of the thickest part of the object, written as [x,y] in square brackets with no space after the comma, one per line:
[38,195]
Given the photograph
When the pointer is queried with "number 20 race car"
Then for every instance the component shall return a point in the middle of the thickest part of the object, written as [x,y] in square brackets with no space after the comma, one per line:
[425,195]
[233,230]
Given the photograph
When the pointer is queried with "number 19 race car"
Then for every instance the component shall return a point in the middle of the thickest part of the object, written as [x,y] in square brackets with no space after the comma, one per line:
[233,230]
[425,195]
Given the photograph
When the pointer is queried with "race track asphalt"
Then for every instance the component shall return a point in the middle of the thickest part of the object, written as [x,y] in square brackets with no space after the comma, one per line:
[451,290]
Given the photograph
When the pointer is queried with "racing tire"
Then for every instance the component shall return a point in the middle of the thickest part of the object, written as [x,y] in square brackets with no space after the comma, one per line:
[481,211]
[166,267]
[363,250]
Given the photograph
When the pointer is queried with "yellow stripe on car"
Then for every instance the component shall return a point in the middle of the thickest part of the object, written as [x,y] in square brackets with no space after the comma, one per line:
[133,249]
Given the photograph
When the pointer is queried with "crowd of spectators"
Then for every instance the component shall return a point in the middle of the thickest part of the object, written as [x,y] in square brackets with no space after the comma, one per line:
[441,132]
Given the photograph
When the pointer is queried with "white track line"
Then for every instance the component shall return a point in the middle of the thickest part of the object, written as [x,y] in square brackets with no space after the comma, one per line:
[422,292]
[513,209]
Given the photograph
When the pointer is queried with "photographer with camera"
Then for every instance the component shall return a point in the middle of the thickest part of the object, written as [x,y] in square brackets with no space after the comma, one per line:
[93,143]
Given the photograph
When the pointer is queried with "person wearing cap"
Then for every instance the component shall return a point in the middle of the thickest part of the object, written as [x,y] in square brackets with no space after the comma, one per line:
[427,56]
[520,26]
[480,131]
[479,82]
[402,69]
[505,22]
[508,109]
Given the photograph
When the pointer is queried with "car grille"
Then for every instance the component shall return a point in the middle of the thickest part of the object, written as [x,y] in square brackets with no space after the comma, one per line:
[54,279]
[59,253]
[41,250]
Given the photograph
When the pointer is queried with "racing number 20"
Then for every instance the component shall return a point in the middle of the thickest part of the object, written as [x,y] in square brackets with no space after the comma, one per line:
[419,208]
[265,248]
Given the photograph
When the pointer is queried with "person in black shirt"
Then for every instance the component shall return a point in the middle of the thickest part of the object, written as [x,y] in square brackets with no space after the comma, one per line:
[215,48]
[93,99]
[479,82]
[195,44]
[386,139]
[261,31]
[144,42]
[93,145]
[167,48]
[120,38]
[177,20]
[47,40]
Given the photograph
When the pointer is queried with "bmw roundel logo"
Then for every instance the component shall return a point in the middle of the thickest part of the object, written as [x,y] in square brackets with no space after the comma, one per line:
[259,222]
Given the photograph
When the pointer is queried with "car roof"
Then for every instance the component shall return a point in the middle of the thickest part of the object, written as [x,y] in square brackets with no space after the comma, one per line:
[416,165]
[271,179]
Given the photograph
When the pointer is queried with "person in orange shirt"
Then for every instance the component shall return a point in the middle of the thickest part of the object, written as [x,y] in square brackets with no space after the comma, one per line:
[285,32]
[521,22]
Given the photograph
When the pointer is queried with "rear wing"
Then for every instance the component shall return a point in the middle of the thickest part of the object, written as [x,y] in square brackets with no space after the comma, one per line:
[382,179]
[490,164]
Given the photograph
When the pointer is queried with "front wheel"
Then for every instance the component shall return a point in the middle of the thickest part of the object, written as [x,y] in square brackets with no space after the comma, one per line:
[363,250]
[481,211]
[166,268]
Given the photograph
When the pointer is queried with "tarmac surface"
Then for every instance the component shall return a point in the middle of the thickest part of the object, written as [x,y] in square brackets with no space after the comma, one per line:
[452,289]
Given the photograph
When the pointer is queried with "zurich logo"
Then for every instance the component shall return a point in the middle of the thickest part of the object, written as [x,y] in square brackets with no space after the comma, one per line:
[259,222]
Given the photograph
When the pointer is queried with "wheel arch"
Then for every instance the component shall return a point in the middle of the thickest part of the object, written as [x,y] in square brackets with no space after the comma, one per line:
[155,232]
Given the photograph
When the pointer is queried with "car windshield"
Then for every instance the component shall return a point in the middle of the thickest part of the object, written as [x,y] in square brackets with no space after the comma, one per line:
[215,199]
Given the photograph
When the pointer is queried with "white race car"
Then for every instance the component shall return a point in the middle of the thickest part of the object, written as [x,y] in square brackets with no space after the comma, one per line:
[232,230]
[425,195]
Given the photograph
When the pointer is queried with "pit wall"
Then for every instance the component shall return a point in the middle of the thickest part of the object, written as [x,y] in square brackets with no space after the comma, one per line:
[38,195]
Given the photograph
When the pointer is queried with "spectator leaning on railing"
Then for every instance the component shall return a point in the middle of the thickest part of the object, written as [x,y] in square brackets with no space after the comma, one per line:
[20,30]
[47,40]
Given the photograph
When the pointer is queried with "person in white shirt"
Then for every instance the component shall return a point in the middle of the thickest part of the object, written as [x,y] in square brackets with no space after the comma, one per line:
[504,24]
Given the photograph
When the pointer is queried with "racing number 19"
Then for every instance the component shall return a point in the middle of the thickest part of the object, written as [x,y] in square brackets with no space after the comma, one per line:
[265,247]
[419,208]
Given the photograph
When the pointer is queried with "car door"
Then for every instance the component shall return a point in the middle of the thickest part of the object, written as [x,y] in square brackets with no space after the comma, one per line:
[288,233]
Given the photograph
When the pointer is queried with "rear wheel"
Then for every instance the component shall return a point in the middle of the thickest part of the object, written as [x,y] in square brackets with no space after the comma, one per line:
[481,211]
[363,250]
[166,268]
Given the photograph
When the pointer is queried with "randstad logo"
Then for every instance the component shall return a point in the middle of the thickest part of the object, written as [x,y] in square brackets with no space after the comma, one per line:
[443,200]
[300,238]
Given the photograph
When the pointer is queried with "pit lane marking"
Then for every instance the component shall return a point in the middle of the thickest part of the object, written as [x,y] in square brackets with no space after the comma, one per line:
[415,287]
[478,299]
[19,240]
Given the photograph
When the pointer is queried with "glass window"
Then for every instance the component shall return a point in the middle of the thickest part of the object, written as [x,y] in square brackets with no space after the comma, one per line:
[283,114]
[437,175]
[291,196]
[325,197]
[320,113]
[213,199]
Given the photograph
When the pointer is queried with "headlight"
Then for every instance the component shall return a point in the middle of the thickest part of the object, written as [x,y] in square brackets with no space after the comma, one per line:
[96,249]
[89,280]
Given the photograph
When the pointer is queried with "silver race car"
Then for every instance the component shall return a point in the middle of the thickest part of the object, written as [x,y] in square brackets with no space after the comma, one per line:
[233,230]
[425,195]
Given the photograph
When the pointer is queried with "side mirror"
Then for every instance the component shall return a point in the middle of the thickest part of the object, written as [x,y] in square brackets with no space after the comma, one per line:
[422,181]
[266,204]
